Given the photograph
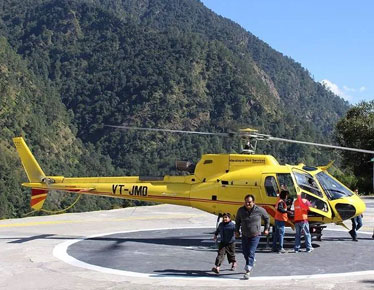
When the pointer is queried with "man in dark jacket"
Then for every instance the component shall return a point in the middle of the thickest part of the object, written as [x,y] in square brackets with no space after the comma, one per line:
[248,218]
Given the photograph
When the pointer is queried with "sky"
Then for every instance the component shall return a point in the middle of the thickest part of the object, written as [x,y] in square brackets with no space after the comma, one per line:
[332,39]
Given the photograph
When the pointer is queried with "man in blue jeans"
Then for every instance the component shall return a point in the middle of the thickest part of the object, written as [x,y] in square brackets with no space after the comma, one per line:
[281,217]
[248,218]
[301,223]
[356,224]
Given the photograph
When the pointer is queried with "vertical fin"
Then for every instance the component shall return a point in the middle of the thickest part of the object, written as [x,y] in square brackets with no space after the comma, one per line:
[34,173]
[32,168]
[38,197]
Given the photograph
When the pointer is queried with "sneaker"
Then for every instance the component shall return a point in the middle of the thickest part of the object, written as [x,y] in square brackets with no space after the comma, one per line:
[247,268]
[247,275]
[215,270]
[282,251]
[233,266]
[295,251]
[309,250]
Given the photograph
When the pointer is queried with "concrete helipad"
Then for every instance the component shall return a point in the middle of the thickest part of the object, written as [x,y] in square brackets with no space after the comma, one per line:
[164,247]
[190,253]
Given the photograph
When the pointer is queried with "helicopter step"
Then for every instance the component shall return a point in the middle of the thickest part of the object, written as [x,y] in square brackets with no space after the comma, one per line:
[316,231]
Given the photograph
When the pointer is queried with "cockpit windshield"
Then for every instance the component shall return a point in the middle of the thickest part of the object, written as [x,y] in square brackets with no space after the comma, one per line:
[307,182]
[332,188]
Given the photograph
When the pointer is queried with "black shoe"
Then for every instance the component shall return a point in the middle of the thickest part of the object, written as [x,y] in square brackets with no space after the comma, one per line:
[351,233]
[372,236]
[355,240]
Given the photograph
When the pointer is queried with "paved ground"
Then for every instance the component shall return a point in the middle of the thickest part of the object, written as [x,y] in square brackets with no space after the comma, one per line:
[191,252]
[146,248]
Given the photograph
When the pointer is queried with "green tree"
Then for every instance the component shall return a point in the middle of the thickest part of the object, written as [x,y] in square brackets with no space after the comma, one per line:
[356,130]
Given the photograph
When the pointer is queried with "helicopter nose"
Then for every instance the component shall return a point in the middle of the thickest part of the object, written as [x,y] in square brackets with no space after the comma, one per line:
[349,210]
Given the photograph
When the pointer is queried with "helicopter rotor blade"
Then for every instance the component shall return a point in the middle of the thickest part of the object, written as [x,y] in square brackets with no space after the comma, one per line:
[321,145]
[246,133]
[170,130]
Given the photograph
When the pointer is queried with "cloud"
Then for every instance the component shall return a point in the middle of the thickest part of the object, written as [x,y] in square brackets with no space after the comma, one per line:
[336,90]
[347,89]
[352,95]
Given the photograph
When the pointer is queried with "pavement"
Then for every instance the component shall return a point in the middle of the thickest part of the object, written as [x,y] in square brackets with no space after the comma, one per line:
[168,247]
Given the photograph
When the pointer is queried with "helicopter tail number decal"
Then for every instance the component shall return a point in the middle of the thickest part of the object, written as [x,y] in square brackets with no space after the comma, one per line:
[135,190]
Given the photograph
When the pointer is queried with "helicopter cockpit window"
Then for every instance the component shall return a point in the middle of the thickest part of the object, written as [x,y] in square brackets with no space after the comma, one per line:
[286,183]
[271,186]
[333,189]
[307,182]
[316,202]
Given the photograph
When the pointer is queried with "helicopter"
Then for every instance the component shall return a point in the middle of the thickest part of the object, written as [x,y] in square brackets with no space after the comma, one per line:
[217,184]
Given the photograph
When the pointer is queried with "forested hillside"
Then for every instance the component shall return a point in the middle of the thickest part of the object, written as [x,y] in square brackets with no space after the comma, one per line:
[29,107]
[150,63]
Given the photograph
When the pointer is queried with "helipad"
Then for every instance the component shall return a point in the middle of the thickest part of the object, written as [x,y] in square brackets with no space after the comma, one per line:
[167,247]
[190,253]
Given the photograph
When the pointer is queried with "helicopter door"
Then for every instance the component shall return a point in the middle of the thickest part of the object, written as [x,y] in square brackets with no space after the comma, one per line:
[306,185]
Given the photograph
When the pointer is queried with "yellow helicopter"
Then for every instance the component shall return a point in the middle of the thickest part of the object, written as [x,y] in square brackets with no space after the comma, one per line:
[217,184]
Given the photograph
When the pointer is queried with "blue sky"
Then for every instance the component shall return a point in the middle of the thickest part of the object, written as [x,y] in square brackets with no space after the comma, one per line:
[332,39]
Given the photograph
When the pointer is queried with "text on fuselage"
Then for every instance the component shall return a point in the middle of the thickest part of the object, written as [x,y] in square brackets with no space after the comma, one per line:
[139,190]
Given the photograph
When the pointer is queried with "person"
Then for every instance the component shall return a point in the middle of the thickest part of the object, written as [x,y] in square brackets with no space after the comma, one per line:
[226,231]
[356,224]
[301,208]
[248,219]
[281,216]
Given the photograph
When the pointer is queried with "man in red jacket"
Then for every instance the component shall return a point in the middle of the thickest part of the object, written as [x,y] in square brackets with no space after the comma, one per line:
[280,218]
[301,207]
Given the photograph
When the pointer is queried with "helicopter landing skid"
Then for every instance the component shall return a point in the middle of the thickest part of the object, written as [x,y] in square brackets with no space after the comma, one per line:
[316,231]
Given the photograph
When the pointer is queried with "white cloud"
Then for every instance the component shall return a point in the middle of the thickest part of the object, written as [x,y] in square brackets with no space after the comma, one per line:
[336,90]
[347,89]
[347,93]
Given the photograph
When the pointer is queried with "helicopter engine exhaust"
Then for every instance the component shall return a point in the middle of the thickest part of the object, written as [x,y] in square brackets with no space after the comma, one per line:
[185,166]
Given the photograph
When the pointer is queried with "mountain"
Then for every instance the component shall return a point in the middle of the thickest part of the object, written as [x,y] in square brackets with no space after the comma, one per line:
[162,64]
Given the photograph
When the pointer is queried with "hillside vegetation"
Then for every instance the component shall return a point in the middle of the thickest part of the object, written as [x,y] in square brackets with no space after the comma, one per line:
[73,66]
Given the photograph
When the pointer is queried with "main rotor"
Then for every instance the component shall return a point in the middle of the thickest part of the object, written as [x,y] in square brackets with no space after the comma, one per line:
[248,138]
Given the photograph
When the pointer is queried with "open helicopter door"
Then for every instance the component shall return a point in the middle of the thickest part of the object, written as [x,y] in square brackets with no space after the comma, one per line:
[309,188]
[273,183]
